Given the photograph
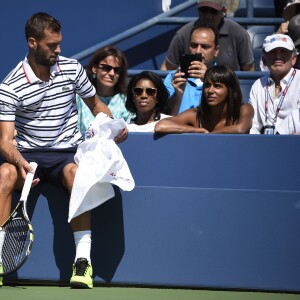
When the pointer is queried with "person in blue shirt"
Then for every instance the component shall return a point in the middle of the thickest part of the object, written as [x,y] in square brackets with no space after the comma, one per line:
[221,110]
[186,93]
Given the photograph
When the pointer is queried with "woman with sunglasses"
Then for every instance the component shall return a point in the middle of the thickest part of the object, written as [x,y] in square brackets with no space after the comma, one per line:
[107,71]
[221,109]
[147,98]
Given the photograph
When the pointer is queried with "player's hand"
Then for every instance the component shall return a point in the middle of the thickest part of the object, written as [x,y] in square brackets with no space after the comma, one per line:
[122,136]
[24,167]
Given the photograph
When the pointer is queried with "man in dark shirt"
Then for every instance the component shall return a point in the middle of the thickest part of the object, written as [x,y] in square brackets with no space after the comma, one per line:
[235,45]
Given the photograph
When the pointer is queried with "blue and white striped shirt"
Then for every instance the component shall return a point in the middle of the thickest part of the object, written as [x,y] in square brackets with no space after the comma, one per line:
[45,113]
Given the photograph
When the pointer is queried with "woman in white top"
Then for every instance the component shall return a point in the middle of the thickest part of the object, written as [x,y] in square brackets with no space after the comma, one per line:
[147,98]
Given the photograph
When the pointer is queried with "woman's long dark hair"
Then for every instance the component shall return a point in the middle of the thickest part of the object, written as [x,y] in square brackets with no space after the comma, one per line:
[234,100]
[163,105]
[101,54]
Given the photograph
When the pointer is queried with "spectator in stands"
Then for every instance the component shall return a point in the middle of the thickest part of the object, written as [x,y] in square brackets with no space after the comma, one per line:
[235,45]
[107,71]
[291,124]
[186,92]
[221,109]
[279,7]
[294,33]
[147,98]
[289,27]
[37,98]
[291,9]
[274,96]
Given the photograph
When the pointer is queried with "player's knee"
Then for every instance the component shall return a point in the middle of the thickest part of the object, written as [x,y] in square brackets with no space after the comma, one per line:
[8,176]
[69,173]
[72,172]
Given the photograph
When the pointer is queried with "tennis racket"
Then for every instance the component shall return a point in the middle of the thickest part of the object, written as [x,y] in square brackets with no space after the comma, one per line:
[17,232]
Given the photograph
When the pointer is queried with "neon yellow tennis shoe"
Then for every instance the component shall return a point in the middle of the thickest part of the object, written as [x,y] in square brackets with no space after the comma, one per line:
[82,277]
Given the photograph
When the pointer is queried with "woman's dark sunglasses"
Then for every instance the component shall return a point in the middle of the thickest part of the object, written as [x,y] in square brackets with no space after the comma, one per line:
[108,68]
[138,91]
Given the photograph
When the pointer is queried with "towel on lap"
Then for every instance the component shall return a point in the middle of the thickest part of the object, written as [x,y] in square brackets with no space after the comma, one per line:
[100,164]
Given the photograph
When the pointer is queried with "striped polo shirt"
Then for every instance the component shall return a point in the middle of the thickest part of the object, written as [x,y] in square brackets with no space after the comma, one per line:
[45,113]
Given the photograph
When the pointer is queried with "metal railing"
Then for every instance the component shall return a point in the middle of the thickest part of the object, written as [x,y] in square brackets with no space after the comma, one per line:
[251,75]
[135,30]
[169,18]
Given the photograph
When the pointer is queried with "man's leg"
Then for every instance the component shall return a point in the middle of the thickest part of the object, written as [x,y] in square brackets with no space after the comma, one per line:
[8,181]
[81,226]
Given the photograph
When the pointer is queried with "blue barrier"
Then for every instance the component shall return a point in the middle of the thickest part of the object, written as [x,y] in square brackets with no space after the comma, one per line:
[217,211]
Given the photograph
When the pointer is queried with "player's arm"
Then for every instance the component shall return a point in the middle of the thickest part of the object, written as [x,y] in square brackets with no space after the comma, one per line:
[96,105]
[8,149]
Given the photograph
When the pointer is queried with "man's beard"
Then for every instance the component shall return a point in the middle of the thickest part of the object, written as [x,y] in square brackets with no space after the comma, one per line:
[41,59]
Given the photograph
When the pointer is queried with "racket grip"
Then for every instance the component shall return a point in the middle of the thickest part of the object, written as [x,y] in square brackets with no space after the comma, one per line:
[28,181]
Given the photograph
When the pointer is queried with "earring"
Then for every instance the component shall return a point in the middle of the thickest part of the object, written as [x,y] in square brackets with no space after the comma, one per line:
[94,75]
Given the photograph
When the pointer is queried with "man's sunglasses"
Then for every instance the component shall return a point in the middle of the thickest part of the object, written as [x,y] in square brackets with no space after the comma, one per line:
[108,68]
[138,91]
[209,10]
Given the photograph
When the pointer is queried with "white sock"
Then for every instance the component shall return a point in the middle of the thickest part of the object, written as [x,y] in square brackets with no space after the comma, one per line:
[2,236]
[83,241]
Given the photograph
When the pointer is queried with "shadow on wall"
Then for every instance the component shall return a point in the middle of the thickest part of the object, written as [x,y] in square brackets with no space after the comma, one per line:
[107,233]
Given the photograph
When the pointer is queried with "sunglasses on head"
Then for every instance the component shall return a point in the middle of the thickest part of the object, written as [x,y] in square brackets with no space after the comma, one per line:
[138,91]
[208,10]
[108,68]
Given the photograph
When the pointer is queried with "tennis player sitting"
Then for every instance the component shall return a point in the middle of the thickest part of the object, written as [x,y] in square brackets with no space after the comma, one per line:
[38,100]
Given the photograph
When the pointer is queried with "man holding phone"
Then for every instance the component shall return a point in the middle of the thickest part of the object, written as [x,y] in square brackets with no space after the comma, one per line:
[235,44]
[185,84]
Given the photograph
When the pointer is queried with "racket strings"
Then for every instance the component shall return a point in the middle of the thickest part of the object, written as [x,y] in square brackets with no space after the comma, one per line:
[16,243]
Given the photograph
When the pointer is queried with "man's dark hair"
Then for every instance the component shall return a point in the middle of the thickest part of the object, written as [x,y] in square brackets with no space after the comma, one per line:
[39,22]
[202,25]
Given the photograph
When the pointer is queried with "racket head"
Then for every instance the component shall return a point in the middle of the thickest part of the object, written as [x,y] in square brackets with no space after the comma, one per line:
[17,244]
[18,235]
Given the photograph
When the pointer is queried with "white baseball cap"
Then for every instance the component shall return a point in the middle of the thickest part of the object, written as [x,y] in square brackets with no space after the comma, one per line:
[278,41]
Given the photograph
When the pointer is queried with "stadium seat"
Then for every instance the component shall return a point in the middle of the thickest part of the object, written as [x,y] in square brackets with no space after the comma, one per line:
[258,34]
[261,8]
[257,57]
[246,85]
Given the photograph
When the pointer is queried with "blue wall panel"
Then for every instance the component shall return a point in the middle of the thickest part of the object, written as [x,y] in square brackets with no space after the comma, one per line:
[217,211]
[85,23]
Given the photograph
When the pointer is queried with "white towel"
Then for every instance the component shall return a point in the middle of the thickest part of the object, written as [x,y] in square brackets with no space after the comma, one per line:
[100,164]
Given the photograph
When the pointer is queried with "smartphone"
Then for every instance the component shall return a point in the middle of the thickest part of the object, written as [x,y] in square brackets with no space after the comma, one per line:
[185,62]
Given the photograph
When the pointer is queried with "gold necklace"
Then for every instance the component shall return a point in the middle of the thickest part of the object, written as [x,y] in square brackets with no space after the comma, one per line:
[277,89]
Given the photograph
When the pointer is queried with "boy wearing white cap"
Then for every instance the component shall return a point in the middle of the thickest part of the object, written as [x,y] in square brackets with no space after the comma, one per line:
[274,96]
